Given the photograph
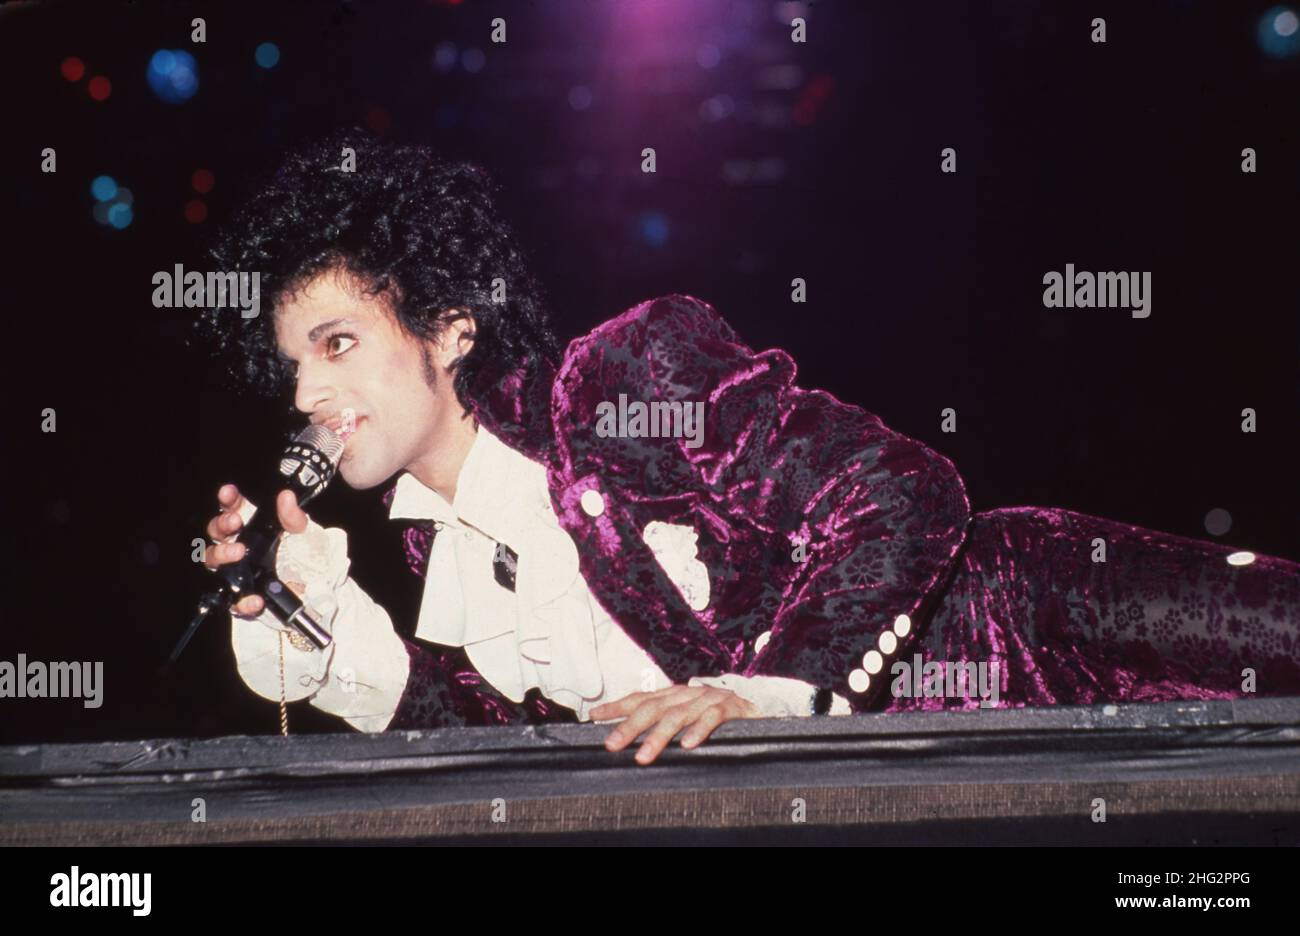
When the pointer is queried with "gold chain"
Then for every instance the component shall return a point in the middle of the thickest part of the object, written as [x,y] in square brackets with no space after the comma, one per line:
[284,705]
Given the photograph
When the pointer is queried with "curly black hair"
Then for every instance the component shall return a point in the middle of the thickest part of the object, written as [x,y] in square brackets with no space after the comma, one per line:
[420,230]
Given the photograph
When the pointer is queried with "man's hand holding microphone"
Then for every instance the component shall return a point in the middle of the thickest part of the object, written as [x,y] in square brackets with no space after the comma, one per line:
[223,530]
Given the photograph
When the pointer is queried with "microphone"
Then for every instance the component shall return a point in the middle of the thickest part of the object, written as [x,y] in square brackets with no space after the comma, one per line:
[306,467]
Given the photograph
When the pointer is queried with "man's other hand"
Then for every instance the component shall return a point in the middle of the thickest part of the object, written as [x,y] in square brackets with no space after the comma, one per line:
[698,709]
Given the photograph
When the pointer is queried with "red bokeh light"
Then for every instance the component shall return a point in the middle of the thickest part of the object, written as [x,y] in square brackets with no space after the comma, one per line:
[203,180]
[814,95]
[378,120]
[72,68]
[195,211]
[100,88]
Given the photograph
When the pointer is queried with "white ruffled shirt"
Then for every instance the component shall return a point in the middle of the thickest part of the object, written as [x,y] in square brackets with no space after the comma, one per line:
[549,633]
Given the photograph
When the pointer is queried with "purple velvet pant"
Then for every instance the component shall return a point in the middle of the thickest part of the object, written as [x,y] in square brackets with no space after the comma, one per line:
[1162,618]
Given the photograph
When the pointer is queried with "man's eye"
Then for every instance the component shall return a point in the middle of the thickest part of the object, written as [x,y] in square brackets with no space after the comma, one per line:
[332,346]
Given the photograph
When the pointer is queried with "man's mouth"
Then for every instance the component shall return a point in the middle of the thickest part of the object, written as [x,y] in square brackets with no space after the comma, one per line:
[345,424]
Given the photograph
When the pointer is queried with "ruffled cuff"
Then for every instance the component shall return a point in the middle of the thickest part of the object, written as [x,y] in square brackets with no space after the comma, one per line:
[256,644]
[361,674]
[774,696]
[313,564]
[368,675]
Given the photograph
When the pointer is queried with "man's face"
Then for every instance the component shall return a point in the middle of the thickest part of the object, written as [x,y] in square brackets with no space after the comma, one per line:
[351,352]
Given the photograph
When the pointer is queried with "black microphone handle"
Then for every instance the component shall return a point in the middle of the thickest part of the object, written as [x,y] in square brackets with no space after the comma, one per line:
[279,598]
[307,464]
[263,531]
[291,610]
[255,574]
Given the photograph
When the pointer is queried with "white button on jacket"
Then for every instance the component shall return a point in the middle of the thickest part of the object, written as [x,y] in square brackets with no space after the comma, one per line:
[593,505]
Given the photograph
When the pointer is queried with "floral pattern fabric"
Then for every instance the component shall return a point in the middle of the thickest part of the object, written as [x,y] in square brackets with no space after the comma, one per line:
[834,546]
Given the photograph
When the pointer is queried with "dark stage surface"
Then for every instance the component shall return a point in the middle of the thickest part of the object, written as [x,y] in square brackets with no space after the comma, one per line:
[1216,773]
[776,160]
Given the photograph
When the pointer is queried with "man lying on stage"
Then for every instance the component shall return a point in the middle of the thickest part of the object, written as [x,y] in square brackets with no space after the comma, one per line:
[793,558]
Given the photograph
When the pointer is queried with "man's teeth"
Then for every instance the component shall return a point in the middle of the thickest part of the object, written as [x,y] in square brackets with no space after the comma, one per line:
[347,424]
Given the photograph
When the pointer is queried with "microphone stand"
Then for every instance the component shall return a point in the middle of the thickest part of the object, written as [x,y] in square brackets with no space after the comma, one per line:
[306,467]
[243,578]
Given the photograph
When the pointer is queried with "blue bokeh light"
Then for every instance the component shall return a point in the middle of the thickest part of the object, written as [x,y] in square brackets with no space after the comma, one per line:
[654,228]
[173,75]
[120,215]
[112,202]
[444,56]
[1279,32]
[267,55]
[103,188]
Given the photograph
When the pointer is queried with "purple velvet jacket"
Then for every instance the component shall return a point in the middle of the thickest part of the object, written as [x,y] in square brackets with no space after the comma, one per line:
[886,529]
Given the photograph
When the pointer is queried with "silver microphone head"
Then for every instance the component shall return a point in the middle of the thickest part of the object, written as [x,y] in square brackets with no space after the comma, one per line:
[310,460]
[324,440]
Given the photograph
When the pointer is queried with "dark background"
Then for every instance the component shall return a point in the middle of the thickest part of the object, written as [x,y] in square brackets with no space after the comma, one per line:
[775,160]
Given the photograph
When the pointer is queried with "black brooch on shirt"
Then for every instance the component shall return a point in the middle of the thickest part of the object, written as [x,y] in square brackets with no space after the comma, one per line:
[505,562]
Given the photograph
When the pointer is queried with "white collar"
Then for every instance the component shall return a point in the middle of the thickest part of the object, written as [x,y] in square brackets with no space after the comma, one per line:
[545,632]
[503,495]
[498,492]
